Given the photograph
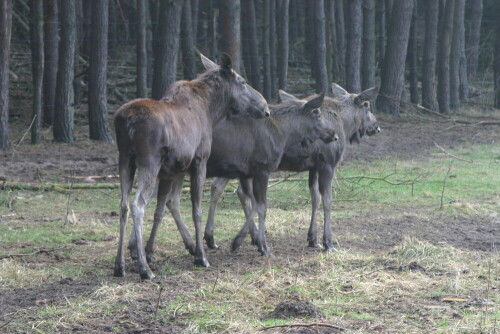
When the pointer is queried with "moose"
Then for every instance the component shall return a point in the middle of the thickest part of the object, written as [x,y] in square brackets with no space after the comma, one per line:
[349,115]
[250,150]
[164,140]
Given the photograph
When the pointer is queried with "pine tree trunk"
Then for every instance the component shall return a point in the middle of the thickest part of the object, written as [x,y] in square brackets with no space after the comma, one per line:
[5,35]
[64,111]
[496,74]
[455,54]
[335,54]
[77,81]
[340,28]
[98,121]
[413,58]
[195,10]
[250,37]
[381,17]
[310,39]
[391,87]
[353,51]
[368,63]
[476,14]
[51,48]
[272,45]
[149,44]
[167,45]
[187,44]
[320,47]
[141,50]
[429,57]
[283,44]
[37,58]
[230,41]
[443,65]
[266,56]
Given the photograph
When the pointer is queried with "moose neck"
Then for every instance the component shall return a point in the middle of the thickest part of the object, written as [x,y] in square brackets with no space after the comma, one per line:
[292,130]
[350,123]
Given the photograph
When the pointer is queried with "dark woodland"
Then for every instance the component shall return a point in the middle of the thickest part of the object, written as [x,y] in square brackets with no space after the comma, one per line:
[437,54]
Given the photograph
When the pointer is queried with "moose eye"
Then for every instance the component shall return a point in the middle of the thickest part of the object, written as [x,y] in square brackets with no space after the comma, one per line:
[366,104]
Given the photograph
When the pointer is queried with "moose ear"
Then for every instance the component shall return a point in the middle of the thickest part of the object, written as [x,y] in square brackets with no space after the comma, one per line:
[338,91]
[225,61]
[369,94]
[284,96]
[209,65]
[315,102]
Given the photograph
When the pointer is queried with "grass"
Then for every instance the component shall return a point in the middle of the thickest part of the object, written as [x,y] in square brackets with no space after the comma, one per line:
[362,289]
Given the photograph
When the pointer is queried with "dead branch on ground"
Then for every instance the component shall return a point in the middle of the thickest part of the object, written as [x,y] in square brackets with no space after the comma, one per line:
[39,251]
[451,155]
[305,325]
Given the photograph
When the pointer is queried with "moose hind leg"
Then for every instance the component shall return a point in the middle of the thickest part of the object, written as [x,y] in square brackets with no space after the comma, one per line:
[161,200]
[145,187]
[127,171]
[198,176]
[260,193]
[173,204]
[217,188]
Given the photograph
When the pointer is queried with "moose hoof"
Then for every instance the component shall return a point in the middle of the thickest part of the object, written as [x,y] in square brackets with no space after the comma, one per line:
[149,258]
[201,262]
[236,244]
[265,251]
[119,271]
[190,249]
[211,243]
[330,249]
[133,253]
[146,274]
[316,245]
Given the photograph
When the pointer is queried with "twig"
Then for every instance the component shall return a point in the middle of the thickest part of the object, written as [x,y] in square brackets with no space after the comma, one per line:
[304,325]
[419,107]
[159,296]
[215,283]
[14,150]
[68,202]
[6,323]
[444,183]
[283,180]
[40,251]
[453,156]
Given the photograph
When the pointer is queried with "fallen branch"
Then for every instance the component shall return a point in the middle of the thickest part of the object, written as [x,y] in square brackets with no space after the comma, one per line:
[304,325]
[40,251]
[453,156]
[61,187]
[94,177]
[428,111]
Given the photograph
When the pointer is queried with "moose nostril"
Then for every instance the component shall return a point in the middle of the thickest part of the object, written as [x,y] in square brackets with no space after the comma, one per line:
[267,113]
[335,138]
[379,129]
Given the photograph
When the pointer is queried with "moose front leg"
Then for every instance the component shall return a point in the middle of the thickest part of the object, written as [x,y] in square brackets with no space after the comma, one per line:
[260,194]
[325,188]
[217,189]
[312,235]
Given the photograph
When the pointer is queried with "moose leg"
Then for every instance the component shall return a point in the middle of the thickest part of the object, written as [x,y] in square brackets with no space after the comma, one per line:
[127,171]
[247,190]
[245,197]
[145,187]
[198,176]
[312,235]
[260,193]
[161,200]
[173,204]
[217,189]
[325,188]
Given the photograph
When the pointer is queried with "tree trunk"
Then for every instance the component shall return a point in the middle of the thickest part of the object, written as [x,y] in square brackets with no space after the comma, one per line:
[340,28]
[195,10]
[336,54]
[381,17]
[310,38]
[230,42]
[429,57]
[98,121]
[320,47]
[77,81]
[368,63]
[413,58]
[464,81]
[141,51]
[266,56]
[64,111]
[167,45]
[283,44]
[51,47]
[149,44]
[496,74]
[443,65]
[476,14]
[36,32]
[391,87]
[353,51]
[187,44]
[251,42]
[272,45]
[5,35]
[455,53]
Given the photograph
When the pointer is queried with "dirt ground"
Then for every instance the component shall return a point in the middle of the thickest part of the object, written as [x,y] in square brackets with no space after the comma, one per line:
[408,137]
